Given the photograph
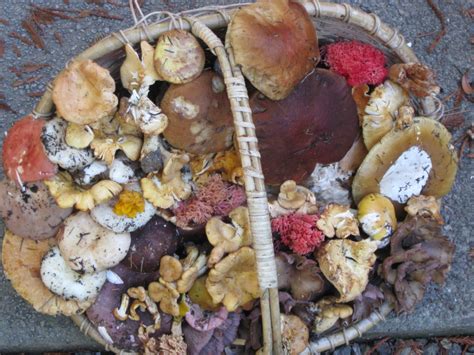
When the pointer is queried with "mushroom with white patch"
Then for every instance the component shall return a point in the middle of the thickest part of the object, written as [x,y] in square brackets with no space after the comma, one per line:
[58,151]
[60,279]
[126,213]
[87,247]
[407,162]
[91,174]
[377,216]
[123,171]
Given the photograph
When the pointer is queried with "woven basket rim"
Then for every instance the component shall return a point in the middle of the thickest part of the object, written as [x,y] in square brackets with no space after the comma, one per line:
[218,17]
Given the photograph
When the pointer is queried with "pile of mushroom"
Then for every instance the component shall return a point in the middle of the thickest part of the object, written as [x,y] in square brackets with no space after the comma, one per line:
[138,204]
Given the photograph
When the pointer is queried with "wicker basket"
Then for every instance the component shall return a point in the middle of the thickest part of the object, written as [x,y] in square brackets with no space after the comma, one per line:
[333,21]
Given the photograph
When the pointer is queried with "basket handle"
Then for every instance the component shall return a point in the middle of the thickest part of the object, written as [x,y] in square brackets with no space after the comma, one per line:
[254,185]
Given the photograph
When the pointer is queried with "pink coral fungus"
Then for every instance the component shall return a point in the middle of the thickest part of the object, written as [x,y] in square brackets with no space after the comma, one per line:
[215,198]
[298,232]
[358,62]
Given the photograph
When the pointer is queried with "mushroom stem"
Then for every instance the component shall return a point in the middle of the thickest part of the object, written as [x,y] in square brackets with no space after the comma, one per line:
[133,309]
[121,312]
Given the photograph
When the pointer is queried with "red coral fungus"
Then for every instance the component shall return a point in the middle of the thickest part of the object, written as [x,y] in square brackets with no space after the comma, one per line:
[358,62]
[215,198]
[298,232]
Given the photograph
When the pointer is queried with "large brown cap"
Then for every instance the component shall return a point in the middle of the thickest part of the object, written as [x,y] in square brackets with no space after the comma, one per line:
[275,43]
[199,115]
[317,123]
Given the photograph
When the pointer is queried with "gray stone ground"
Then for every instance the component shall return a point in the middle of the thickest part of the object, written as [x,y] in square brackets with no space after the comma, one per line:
[445,311]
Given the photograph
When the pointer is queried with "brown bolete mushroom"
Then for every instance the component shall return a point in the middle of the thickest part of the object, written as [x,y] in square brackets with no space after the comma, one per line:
[317,123]
[199,116]
[233,280]
[409,161]
[30,206]
[276,45]
[83,93]
[21,260]
[179,58]
[24,159]
[346,264]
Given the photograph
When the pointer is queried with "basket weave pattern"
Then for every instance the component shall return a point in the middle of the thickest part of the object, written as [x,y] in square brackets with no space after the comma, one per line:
[201,22]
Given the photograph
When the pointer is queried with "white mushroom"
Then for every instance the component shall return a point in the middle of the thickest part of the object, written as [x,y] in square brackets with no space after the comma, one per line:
[88,247]
[91,174]
[58,152]
[122,170]
[105,214]
[60,279]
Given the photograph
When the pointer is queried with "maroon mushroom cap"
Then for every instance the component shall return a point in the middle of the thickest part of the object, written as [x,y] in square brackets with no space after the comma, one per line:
[155,240]
[317,123]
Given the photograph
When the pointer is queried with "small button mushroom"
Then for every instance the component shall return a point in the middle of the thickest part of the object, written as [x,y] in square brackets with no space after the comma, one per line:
[21,261]
[88,247]
[119,332]
[200,120]
[32,205]
[337,220]
[293,199]
[65,282]
[83,93]
[57,150]
[179,58]
[346,264]
[276,45]
[150,243]
[407,162]
[305,128]
[377,216]
[233,280]
[24,159]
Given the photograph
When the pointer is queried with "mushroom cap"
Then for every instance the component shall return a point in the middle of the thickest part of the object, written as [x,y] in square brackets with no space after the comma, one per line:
[346,264]
[377,216]
[394,165]
[150,243]
[233,281]
[170,268]
[317,123]
[21,260]
[295,334]
[276,45]
[124,333]
[53,137]
[107,215]
[381,111]
[83,93]
[199,118]
[179,58]
[24,159]
[78,136]
[32,206]
[67,283]
[88,247]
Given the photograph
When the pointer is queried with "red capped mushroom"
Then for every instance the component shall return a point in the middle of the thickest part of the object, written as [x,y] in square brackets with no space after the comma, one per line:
[276,45]
[24,159]
[317,123]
